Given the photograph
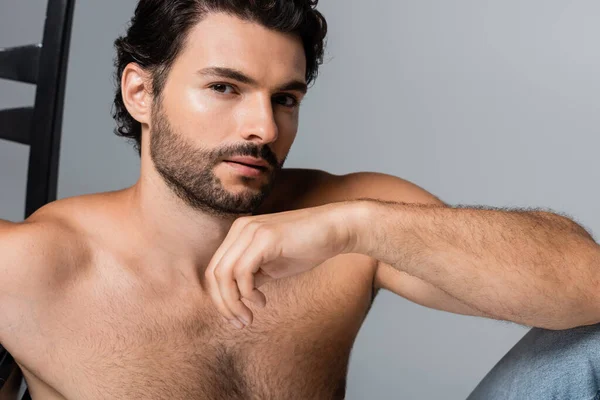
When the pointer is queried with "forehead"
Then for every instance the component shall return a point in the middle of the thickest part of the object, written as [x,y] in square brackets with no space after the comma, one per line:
[223,40]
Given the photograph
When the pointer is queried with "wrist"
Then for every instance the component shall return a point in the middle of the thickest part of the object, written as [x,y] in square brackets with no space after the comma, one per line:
[359,220]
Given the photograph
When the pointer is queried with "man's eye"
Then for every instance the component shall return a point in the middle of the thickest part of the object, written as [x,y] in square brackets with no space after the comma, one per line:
[286,101]
[223,88]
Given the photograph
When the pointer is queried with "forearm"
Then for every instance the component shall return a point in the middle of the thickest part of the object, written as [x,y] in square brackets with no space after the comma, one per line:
[533,268]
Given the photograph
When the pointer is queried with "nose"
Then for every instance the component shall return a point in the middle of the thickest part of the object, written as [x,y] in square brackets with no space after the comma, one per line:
[260,120]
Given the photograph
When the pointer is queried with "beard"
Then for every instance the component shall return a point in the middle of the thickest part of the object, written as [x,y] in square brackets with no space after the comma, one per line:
[188,171]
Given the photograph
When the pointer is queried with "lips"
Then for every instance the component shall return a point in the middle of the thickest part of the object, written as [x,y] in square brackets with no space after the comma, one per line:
[250,162]
[248,165]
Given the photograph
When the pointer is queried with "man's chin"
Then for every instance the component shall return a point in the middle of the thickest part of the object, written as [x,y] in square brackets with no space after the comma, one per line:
[246,207]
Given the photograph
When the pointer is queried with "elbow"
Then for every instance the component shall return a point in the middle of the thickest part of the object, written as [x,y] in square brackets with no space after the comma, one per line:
[592,302]
[574,317]
[570,322]
[593,285]
[585,304]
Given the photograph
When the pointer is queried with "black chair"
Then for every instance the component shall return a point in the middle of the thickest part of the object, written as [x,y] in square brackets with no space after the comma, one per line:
[39,127]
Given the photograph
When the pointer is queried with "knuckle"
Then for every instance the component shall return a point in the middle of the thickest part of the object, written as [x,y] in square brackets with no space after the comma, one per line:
[254,225]
[264,233]
[242,222]
[220,273]
[238,273]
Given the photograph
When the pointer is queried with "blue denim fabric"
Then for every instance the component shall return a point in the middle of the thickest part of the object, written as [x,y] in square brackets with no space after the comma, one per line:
[548,365]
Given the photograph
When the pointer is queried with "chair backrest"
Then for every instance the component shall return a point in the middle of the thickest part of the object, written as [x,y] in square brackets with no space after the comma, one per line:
[39,126]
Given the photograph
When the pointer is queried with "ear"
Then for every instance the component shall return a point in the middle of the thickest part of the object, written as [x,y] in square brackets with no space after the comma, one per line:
[137,92]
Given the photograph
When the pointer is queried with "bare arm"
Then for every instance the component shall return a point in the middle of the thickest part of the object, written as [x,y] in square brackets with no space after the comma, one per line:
[421,292]
[531,267]
[33,261]
[14,265]
[390,188]
[9,389]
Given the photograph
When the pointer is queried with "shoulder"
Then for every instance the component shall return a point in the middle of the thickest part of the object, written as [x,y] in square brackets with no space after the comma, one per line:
[295,188]
[43,245]
[38,258]
[303,188]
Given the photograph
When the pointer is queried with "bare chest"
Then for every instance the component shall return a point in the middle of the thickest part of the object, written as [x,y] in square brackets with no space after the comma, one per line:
[111,345]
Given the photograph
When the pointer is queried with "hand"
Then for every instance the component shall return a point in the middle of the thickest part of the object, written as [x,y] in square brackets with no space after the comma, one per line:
[262,248]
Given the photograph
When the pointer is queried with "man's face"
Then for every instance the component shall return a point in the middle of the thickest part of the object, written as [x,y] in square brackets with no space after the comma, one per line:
[233,91]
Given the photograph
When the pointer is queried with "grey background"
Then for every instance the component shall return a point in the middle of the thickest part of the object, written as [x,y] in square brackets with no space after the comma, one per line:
[479,102]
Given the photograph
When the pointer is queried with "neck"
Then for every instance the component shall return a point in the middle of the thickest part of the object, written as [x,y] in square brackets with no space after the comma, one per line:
[171,232]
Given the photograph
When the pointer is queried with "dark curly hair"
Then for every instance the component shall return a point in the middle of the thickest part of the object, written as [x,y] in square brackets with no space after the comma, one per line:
[158,30]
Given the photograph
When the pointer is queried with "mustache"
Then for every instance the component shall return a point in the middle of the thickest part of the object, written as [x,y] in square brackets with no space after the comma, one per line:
[264,154]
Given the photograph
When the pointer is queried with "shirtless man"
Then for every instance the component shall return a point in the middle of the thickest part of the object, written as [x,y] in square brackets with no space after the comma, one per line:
[128,294]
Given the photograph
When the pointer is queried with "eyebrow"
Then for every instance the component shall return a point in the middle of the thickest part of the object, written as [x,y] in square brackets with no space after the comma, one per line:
[236,75]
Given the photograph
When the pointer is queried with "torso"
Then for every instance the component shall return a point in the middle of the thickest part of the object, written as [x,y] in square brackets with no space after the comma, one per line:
[110,335]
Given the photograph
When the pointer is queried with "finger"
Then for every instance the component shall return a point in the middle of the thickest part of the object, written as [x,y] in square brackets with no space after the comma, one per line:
[260,251]
[231,296]
[214,292]
[249,292]
[244,275]
[226,284]
[217,300]
[260,278]
[231,238]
